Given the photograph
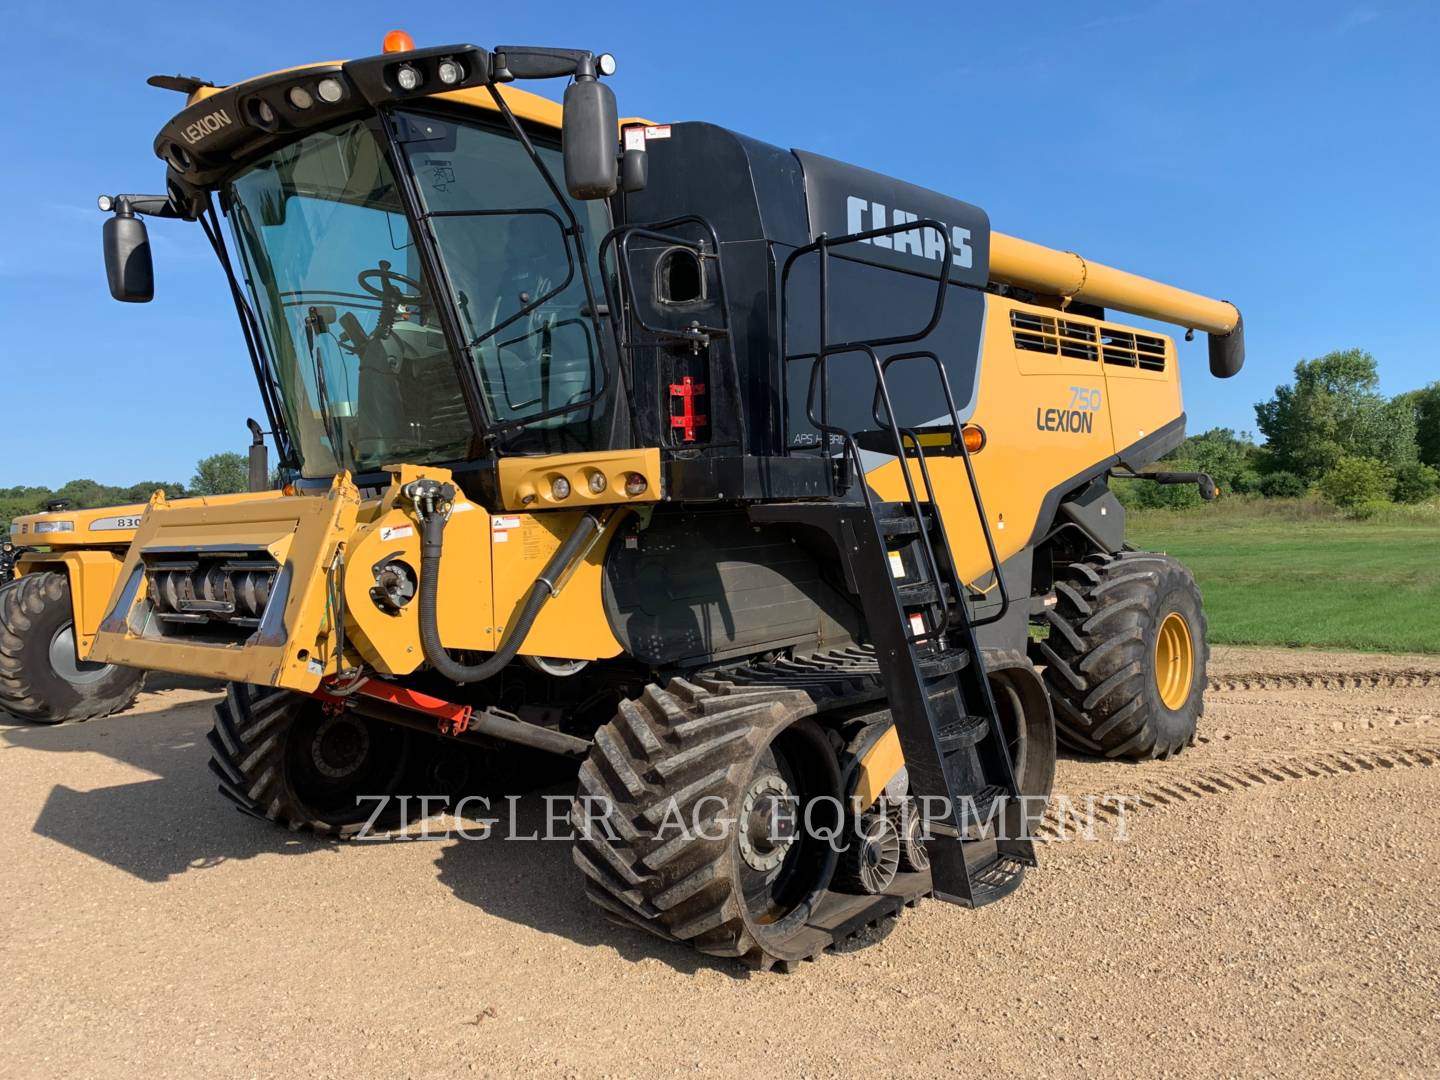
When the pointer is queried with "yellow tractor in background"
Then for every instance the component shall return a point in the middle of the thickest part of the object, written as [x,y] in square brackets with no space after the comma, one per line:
[57,571]
[740,476]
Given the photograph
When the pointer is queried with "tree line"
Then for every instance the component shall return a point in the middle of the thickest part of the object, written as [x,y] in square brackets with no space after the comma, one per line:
[1329,434]
[218,474]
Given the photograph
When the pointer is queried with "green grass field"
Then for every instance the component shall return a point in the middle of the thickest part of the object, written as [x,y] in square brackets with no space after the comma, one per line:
[1292,573]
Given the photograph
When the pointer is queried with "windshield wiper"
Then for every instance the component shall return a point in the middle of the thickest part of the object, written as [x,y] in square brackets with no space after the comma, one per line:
[343,456]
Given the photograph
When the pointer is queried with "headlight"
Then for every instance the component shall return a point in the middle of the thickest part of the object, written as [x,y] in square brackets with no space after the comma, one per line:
[330,90]
[407,77]
[450,72]
[54,526]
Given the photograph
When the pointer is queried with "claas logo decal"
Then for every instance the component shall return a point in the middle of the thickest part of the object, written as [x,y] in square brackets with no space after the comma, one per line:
[1078,416]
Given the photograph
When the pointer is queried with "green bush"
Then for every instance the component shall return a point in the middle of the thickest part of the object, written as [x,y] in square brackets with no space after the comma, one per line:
[1245,482]
[1283,485]
[1414,483]
[1359,485]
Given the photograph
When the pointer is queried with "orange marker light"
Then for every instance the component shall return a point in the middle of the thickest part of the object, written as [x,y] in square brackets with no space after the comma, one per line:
[974,438]
[398,41]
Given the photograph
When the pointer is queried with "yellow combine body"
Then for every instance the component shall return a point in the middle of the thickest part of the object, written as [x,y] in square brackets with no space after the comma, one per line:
[740,473]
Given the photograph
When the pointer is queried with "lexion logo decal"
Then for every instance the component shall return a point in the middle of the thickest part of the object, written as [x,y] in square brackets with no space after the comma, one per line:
[1079,417]
[206,125]
[862,215]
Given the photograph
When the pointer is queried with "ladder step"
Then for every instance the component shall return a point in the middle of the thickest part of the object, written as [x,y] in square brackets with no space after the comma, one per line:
[982,801]
[996,879]
[962,733]
[944,662]
[899,519]
[916,593]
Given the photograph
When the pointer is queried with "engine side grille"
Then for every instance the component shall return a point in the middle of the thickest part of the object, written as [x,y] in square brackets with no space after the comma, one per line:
[1085,341]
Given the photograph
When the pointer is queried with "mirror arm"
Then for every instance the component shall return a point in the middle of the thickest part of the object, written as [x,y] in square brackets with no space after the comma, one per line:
[130,205]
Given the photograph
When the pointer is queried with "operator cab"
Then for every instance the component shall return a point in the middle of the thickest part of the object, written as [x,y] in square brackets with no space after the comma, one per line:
[414,282]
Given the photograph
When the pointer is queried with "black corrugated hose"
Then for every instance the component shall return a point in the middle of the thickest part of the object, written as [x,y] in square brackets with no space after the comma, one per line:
[432,530]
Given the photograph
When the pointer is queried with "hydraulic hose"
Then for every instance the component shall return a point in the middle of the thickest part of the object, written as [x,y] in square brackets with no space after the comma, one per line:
[432,539]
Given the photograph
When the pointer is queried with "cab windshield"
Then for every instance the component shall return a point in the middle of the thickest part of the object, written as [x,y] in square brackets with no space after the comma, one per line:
[364,373]
[349,320]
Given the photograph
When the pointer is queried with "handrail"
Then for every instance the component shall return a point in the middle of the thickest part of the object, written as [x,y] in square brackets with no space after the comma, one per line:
[819,379]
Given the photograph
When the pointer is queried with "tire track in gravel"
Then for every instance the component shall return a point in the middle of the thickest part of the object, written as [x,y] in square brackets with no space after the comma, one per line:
[1178,782]
[1312,680]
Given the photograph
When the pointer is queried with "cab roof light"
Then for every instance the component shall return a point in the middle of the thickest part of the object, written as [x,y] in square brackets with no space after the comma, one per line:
[398,41]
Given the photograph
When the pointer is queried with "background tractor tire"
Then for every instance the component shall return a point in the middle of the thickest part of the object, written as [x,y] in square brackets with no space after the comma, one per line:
[1125,659]
[41,679]
[279,756]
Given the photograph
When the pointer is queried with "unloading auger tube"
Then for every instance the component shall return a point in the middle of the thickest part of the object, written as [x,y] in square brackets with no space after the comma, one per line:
[432,501]
[1072,277]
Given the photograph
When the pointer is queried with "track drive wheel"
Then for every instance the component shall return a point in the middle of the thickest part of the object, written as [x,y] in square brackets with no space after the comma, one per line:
[280,756]
[1023,708]
[41,678]
[690,820]
[1126,656]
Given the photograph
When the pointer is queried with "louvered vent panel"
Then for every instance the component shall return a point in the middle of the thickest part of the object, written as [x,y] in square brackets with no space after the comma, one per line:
[1077,340]
[1085,341]
[1033,333]
[1058,337]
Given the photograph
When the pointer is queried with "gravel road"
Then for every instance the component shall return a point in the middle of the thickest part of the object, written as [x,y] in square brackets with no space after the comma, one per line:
[1265,905]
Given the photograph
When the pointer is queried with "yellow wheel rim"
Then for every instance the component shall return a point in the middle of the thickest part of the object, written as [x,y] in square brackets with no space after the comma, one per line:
[1174,660]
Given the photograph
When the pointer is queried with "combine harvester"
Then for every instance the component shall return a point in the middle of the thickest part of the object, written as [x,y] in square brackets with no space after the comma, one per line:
[738,474]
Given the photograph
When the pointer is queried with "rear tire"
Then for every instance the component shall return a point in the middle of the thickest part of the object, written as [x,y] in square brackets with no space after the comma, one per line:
[279,756]
[41,678]
[1126,656]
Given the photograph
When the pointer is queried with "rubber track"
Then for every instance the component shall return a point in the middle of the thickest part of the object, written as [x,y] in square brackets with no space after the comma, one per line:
[666,742]
[1188,785]
[247,756]
[1314,680]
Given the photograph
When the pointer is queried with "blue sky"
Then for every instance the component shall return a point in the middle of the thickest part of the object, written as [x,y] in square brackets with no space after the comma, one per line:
[1283,155]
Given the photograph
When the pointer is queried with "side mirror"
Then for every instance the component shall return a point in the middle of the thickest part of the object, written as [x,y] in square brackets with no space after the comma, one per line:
[634,170]
[588,136]
[127,258]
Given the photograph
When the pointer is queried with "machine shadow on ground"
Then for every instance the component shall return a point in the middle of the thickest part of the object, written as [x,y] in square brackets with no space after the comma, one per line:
[535,882]
[175,822]
[154,828]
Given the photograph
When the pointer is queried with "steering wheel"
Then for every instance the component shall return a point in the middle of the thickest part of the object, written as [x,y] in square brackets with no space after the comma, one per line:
[386,289]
